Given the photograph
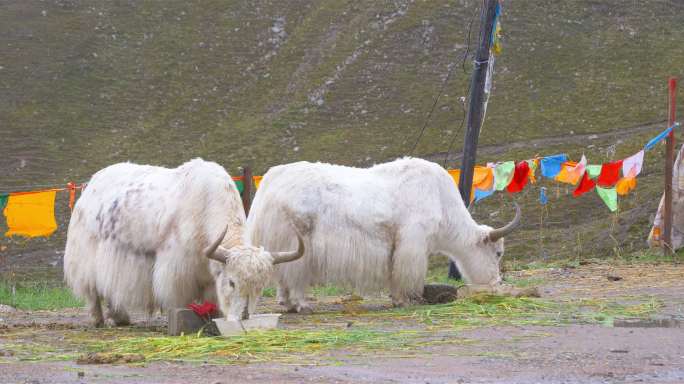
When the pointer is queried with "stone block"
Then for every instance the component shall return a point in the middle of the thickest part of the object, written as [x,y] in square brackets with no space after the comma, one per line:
[183,320]
[439,293]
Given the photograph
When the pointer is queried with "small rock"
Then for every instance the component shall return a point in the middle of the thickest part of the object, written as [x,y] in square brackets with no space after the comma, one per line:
[80,374]
[6,308]
[614,277]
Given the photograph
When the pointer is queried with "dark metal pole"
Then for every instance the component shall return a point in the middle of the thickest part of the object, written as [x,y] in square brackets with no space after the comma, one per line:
[247,191]
[669,163]
[475,108]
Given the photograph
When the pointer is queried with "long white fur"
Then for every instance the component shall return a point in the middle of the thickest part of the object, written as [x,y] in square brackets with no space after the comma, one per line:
[368,228]
[137,232]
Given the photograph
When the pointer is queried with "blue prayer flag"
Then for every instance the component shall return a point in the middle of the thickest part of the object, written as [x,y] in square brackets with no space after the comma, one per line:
[551,165]
[651,143]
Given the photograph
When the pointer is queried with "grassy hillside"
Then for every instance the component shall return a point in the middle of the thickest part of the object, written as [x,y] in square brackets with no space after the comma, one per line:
[85,84]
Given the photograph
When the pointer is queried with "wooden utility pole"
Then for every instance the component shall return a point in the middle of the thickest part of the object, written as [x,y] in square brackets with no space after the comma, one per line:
[475,108]
[669,163]
[247,191]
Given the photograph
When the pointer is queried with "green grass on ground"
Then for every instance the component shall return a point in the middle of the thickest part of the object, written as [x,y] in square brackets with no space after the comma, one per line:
[37,296]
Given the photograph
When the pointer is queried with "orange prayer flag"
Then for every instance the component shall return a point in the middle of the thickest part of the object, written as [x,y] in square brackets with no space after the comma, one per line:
[31,214]
[479,175]
[625,185]
[257,180]
[568,174]
[455,174]
[483,178]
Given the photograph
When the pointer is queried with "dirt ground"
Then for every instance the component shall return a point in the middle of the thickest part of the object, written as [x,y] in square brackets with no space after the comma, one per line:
[573,353]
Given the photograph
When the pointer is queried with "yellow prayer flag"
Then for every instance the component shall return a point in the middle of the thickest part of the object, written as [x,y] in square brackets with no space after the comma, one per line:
[31,214]
[257,180]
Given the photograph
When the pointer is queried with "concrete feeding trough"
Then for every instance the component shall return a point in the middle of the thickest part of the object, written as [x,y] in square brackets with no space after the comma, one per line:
[262,321]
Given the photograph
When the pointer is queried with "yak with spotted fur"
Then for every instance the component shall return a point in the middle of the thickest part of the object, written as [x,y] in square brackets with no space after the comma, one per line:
[147,238]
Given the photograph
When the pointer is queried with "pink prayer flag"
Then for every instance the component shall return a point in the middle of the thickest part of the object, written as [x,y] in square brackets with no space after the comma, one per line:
[631,166]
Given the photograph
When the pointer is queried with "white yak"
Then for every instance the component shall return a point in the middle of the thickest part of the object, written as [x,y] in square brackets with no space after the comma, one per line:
[371,228]
[148,238]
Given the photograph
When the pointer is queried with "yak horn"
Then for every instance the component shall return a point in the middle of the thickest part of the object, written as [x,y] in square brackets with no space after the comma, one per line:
[211,251]
[496,234]
[284,257]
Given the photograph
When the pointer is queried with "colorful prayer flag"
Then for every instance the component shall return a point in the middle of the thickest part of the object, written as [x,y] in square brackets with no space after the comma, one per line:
[625,185]
[520,177]
[593,171]
[585,185]
[609,196]
[569,173]
[480,194]
[651,143]
[240,185]
[551,165]
[503,174]
[542,196]
[610,174]
[31,214]
[257,180]
[533,164]
[631,166]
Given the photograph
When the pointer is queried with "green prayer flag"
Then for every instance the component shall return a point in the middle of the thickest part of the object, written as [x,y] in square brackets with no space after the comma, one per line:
[240,185]
[503,174]
[593,171]
[3,200]
[609,196]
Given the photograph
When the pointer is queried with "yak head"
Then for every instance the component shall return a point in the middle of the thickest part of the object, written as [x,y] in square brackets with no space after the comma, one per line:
[244,272]
[479,261]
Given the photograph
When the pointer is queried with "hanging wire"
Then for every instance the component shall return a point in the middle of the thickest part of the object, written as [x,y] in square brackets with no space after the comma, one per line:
[463,101]
[443,87]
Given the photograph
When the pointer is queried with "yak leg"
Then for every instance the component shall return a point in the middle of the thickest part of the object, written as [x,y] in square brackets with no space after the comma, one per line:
[95,309]
[299,303]
[118,317]
[294,298]
[408,268]
[283,295]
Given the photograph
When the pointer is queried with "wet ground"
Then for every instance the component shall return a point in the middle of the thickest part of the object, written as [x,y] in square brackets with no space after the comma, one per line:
[574,353]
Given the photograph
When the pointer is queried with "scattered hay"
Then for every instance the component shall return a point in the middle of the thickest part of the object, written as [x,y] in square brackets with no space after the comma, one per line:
[257,346]
[110,358]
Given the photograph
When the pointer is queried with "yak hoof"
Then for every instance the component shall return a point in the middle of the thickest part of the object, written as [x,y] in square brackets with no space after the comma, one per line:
[112,322]
[117,318]
[305,310]
[98,323]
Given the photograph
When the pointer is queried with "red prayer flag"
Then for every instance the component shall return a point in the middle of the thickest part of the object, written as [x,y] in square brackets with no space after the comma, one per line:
[520,177]
[610,174]
[585,185]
